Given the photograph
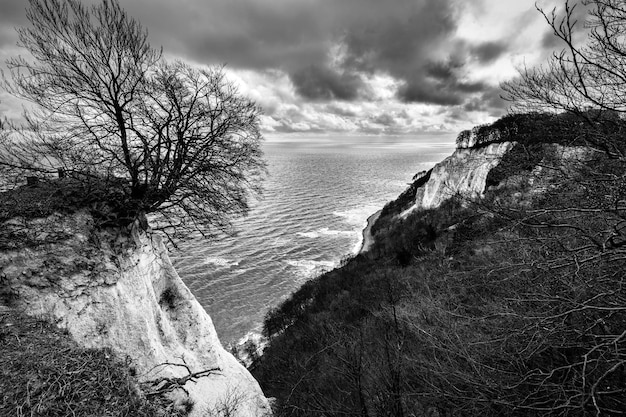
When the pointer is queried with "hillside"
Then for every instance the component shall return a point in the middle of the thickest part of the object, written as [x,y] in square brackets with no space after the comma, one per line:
[45,373]
[507,300]
[124,310]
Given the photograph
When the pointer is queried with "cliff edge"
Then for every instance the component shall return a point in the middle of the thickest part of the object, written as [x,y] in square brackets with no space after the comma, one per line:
[119,290]
[464,172]
[498,292]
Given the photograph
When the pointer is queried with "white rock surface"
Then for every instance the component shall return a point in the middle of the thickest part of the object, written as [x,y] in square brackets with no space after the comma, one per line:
[122,292]
[464,173]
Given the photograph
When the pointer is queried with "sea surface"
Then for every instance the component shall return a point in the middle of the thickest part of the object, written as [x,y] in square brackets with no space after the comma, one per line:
[318,196]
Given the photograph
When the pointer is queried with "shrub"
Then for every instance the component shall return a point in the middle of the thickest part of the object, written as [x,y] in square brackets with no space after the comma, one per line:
[44,373]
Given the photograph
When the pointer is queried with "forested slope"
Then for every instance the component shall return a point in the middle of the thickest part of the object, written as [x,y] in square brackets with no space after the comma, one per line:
[512,304]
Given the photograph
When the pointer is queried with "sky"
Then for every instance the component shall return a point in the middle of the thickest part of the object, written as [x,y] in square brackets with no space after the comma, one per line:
[345,67]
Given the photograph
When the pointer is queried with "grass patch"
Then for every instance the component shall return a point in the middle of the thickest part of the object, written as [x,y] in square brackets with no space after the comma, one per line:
[44,373]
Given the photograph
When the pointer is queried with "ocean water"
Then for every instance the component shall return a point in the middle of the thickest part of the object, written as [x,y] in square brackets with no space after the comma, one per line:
[318,196]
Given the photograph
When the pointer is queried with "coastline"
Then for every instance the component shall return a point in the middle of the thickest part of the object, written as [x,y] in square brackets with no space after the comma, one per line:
[368,239]
[255,339]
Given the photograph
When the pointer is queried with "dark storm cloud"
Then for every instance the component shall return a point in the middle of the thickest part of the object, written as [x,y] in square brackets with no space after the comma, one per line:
[490,101]
[428,92]
[400,35]
[403,41]
[410,40]
[489,51]
[12,14]
[550,41]
[579,15]
[470,87]
[322,83]
[340,111]
[394,37]
[442,70]
[440,83]
[447,92]
[254,34]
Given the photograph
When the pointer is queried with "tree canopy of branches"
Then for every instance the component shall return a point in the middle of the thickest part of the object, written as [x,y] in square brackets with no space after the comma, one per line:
[513,305]
[109,110]
[588,76]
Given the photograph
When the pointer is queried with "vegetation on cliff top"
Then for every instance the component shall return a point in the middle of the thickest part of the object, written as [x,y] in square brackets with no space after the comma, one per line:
[512,305]
[116,130]
[589,128]
[111,113]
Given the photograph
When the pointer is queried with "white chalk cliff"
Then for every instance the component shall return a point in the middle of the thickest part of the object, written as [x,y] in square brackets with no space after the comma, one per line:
[121,292]
[463,173]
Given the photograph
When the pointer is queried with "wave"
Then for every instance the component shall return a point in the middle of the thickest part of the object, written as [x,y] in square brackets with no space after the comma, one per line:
[218,261]
[310,268]
[359,244]
[249,347]
[310,235]
[325,231]
[358,215]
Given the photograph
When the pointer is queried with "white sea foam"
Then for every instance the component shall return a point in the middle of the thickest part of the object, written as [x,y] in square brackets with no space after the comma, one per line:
[251,341]
[280,241]
[325,231]
[358,215]
[358,245]
[310,235]
[310,268]
[328,232]
[223,262]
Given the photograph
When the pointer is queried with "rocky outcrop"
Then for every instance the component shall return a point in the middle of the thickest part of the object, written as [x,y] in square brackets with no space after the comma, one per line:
[116,290]
[463,173]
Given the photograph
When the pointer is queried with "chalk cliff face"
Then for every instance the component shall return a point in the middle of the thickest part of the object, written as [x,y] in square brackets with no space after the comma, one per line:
[464,172]
[121,291]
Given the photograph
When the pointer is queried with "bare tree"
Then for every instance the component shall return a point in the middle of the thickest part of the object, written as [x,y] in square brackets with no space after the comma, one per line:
[87,69]
[172,139]
[587,77]
[583,75]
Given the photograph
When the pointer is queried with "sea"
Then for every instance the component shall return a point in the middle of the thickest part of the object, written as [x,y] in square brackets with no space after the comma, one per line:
[318,195]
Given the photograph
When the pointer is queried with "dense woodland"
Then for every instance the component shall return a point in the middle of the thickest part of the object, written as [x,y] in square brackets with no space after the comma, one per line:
[510,305]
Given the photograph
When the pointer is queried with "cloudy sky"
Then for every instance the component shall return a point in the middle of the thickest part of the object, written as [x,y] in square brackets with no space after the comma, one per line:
[328,67]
